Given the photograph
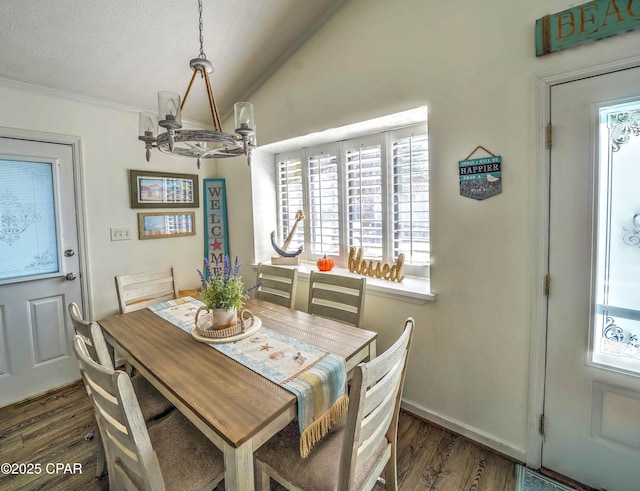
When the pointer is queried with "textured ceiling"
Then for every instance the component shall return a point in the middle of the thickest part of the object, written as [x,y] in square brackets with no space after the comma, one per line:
[125,51]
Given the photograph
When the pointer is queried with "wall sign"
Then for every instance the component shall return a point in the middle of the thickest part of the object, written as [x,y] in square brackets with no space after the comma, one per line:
[480,178]
[216,235]
[587,22]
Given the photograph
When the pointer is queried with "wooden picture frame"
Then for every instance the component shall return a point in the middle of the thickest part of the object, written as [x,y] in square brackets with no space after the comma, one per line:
[149,189]
[158,225]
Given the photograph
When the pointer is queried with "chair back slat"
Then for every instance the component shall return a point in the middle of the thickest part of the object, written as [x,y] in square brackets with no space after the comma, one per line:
[342,296]
[374,403]
[82,328]
[138,291]
[278,285]
[337,297]
[376,434]
[378,418]
[98,349]
[387,384]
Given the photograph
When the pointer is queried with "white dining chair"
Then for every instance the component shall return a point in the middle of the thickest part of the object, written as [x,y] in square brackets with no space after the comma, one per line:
[140,290]
[152,403]
[337,297]
[355,453]
[168,453]
[277,284]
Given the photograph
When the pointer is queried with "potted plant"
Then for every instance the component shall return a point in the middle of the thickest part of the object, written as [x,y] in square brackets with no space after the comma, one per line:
[223,292]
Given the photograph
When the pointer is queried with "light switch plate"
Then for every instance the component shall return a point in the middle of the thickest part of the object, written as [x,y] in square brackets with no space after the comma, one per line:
[120,234]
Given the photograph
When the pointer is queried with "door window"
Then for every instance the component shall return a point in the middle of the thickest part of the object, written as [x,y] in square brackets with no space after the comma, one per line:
[617,313]
[28,230]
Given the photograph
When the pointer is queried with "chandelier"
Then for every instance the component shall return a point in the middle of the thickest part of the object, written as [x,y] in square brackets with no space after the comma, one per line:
[198,143]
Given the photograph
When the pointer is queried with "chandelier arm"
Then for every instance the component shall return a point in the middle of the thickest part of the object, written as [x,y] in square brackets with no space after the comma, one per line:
[212,103]
[186,94]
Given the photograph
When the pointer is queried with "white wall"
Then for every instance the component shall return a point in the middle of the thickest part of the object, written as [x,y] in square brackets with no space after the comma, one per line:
[473,64]
[109,148]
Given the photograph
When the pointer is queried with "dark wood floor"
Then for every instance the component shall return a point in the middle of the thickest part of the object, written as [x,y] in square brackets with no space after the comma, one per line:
[52,429]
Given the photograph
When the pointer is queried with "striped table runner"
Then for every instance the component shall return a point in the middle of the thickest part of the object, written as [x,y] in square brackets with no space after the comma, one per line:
[316,376]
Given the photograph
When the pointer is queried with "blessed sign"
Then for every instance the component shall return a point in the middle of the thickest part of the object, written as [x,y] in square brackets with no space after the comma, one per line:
[480,178]
[590,21]
[386,271]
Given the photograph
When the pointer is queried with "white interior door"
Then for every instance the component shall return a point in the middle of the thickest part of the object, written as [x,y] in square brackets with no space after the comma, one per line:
[39,267]
[592,388]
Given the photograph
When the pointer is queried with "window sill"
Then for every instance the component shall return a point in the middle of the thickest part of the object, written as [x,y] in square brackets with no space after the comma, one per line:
[412,289]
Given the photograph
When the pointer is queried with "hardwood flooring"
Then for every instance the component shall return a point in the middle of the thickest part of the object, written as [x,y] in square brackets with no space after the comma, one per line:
[52,428]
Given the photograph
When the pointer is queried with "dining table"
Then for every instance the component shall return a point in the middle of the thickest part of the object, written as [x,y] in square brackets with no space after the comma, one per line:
[235,407]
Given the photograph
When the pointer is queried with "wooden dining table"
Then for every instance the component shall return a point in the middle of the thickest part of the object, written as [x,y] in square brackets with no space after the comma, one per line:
[236,408]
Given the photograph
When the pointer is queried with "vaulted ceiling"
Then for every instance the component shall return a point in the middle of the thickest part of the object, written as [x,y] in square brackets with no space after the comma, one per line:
[125,51]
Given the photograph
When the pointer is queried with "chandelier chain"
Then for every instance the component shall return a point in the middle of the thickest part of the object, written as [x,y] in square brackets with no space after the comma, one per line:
[201,55]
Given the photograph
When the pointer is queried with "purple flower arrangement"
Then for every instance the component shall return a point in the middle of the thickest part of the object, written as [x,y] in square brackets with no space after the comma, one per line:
[222,285]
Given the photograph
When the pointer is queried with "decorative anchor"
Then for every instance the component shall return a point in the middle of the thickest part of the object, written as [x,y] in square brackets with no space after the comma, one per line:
[285,257]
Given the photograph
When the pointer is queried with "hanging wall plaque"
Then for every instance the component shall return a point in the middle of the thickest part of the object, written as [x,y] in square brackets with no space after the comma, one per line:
[216,243]
[590,21]
[480,178]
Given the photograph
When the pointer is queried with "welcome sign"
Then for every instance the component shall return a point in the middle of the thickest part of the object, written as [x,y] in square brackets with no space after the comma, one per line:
[480,178]
[215,220]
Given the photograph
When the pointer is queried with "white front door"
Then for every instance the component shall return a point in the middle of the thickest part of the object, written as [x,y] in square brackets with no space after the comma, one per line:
[39,267]
[592,387]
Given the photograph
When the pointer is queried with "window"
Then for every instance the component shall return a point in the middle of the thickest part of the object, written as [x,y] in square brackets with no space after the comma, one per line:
[370,192]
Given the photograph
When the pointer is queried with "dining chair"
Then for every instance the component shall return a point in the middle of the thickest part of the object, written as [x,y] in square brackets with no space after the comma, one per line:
[277,284]
[355,453]
[140,290]
[337,297]
[153,403]
[169,453]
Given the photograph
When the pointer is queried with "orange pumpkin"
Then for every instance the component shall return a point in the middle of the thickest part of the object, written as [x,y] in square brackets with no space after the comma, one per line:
[325,263]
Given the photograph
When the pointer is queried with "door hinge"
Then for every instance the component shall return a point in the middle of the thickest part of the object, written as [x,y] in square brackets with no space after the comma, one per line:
[549,135]
[541,427]
[547,284]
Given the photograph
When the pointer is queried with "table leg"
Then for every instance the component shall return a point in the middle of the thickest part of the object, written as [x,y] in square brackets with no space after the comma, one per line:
[238,467]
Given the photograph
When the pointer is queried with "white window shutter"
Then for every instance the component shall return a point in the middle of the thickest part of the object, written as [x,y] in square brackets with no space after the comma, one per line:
[364,199]
[324,203]
[290,199]
[410,216]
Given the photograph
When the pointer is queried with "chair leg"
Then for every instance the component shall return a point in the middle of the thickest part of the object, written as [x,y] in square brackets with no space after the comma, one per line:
[262,479]
[101,458]
[391,473]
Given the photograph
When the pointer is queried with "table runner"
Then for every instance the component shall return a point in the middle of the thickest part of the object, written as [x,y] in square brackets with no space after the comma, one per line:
[316,376]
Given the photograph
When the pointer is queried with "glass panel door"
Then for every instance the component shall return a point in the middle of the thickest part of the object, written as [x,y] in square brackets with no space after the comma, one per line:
[28,230]
[616,330]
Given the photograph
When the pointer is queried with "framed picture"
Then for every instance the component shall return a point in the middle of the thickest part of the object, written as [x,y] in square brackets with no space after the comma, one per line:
[163,190]
[166,224]
[216,238]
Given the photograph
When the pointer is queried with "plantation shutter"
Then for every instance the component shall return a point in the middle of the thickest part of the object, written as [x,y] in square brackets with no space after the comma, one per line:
[364,198]
[410,167]
[324,202]
[290,198]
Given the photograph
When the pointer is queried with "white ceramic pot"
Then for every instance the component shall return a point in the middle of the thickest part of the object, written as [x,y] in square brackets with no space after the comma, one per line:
[216,318]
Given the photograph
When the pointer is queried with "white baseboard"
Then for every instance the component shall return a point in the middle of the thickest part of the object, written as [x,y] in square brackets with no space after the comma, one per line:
[482,437]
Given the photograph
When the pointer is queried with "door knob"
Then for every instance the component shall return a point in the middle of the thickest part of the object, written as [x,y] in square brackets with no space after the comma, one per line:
[70,276]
